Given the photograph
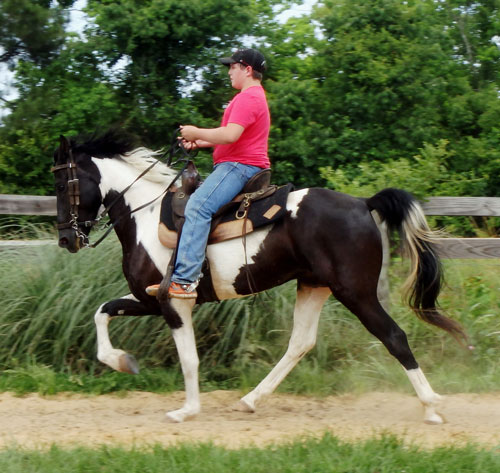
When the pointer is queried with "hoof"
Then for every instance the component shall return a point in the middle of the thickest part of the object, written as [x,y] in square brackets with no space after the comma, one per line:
[435,419]
[179,416]
[242,406]
[172,418]
[128,364]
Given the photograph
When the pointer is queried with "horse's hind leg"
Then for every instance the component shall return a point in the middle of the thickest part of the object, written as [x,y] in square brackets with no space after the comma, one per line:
[117,359]
[378,322]
[305,327]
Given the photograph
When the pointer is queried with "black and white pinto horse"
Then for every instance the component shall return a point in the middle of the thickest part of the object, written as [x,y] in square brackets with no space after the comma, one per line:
[329,242]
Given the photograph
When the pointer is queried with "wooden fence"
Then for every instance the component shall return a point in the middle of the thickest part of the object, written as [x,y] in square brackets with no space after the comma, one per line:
[466,206]
[442,206]
[27,205]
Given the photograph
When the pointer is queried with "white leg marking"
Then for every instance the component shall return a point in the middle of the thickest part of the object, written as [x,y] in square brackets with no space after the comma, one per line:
[186,347]
[117,359]
[305,327]
[427,396]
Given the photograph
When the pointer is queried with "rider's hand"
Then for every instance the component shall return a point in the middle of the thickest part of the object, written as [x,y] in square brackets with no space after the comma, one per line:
[190,145]
[189,132]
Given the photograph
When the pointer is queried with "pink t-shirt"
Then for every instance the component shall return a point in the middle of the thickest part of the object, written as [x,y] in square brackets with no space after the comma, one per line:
[248,109]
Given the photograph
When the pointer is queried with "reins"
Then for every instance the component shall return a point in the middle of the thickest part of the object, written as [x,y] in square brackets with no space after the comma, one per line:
[74,191]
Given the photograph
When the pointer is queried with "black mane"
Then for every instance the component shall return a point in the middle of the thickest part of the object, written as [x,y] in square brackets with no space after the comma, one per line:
[113,142]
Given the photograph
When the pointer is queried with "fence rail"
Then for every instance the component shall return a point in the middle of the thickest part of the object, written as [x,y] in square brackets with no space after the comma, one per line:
[463,206]
[443,206]
[465,248]
[27,205]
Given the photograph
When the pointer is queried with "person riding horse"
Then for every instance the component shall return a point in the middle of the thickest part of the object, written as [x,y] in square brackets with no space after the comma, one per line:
[240,151]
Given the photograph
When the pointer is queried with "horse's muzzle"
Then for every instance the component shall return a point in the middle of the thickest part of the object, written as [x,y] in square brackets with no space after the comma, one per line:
[72,244]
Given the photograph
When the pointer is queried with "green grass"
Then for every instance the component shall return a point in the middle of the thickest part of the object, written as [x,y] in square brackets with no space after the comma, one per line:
[383,455]
[47,333]
[46,381]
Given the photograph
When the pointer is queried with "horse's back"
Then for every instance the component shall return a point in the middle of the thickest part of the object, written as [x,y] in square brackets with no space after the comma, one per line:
[326,205]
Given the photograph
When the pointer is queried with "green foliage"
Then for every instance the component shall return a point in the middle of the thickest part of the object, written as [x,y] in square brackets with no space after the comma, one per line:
[427,173]
[23,163]
[164,43]
[394,82]
[68,97]
[355,82]
[31,30]
[328,454]
[42,379]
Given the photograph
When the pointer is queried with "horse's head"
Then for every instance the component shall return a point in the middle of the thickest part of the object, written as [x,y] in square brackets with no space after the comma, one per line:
[78,195]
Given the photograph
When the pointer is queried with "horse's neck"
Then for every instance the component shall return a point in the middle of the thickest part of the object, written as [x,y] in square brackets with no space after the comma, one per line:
[134,229]
[117,175]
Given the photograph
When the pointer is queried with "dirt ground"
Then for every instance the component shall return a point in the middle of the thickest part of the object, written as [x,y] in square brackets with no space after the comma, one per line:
[138,419]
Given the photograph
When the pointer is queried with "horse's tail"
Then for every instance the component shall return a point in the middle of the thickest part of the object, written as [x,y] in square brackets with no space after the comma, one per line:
[402,212]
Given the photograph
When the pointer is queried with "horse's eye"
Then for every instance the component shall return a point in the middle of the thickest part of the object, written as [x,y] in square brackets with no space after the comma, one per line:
[60,187]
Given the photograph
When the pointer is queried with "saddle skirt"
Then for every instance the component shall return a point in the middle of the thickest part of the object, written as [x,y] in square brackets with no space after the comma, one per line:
[260,204]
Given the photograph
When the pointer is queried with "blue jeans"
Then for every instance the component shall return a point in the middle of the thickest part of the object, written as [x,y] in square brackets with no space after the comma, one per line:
[219,188]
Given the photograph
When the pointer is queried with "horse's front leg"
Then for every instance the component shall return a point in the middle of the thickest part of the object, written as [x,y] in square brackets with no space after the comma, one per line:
[117,359]
[186,347]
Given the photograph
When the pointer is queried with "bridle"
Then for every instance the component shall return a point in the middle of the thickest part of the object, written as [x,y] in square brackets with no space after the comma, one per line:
[73,191]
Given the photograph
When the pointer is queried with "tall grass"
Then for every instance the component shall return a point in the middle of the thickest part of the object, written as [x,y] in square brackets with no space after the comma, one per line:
[46,326]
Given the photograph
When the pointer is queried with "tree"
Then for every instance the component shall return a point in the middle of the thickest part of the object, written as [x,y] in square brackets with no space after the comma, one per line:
[167,45]
[391,81]
[159,44]
[69,96]
[31,30]
[382,80]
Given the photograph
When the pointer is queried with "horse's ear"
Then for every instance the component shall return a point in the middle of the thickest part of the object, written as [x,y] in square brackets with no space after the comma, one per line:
[64,143]
[63,151]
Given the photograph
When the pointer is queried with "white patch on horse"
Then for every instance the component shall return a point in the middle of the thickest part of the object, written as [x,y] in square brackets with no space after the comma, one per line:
[430,399]
[294,200]
[116,175]
[228,257]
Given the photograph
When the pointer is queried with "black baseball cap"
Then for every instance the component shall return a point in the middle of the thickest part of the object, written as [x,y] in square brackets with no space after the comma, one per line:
[248,57]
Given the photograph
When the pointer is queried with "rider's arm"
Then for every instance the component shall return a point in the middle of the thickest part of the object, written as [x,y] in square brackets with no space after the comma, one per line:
[213,136]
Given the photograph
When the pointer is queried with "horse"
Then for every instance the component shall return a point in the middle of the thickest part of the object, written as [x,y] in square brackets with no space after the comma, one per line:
[329,242]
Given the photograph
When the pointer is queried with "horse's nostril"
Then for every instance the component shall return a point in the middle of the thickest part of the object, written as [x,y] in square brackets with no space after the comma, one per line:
[63,242]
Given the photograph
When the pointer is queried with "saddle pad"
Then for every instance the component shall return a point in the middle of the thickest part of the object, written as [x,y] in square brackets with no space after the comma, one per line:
[261,212]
